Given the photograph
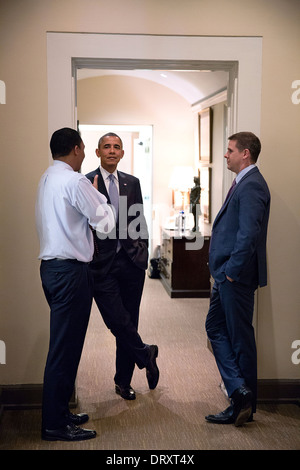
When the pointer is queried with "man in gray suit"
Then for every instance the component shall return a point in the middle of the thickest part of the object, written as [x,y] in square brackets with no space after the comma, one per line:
[237,262]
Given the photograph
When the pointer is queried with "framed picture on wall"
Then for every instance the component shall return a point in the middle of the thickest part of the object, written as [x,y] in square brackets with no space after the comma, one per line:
[205,173]
[205,135]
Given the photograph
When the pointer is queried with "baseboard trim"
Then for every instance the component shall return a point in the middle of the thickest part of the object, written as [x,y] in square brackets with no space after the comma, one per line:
[275,391]
[278,391]
[24,397]
[29,396]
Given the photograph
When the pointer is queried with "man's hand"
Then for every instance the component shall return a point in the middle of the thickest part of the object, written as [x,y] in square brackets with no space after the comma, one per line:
[95,182]
[229,279]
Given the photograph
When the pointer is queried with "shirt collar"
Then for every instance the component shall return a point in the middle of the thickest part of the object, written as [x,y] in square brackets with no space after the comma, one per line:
[61,163]
[105,174]
[243,172]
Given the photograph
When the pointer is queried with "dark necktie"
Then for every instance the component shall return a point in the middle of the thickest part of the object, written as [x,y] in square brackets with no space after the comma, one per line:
[230,191]
[113,194]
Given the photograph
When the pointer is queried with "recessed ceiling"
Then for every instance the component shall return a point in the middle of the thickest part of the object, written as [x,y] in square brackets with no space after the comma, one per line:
[192,85]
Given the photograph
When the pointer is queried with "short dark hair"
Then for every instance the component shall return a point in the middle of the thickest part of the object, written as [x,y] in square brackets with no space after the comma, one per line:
[109,134]
[63,141]
[247,140]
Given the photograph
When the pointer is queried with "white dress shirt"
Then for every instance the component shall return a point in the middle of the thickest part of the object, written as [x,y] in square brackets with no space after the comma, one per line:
[67,203]
[105,175]
[243,172]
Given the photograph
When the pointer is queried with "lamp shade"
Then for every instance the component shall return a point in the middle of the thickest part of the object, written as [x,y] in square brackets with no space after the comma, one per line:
[182,178]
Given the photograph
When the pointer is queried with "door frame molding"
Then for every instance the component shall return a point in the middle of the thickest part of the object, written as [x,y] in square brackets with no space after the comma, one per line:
[241,56]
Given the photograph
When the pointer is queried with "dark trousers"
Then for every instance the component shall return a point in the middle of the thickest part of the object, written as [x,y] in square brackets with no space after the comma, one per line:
[67,286]
[230,331]
[118,296]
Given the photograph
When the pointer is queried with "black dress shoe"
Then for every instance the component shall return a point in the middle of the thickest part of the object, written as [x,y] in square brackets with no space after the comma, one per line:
[240,410]
[152,371]
[241,400]
[71,432]
[78,419]
[126,392]
[225,417]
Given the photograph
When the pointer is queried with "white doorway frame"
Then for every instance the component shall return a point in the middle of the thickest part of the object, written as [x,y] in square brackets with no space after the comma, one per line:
[241,56]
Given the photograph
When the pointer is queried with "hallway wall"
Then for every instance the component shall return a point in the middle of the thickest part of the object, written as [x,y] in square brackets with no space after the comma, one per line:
[24,321]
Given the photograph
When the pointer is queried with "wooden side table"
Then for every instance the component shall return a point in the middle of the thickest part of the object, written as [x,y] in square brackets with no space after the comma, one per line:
[184,263]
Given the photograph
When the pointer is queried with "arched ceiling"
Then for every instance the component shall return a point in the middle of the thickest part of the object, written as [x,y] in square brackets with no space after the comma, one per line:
[192,85]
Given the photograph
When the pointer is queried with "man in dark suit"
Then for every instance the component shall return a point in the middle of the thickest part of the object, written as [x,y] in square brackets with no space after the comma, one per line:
[119,265]
[237,262]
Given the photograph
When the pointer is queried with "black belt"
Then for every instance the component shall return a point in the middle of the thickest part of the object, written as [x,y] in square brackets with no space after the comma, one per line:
[58,260]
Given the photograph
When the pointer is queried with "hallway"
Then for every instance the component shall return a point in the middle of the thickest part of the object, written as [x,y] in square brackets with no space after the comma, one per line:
[171,417]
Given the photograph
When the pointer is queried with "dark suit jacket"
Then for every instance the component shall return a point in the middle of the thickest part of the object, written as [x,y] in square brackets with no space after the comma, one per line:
[238,243]
[129,218]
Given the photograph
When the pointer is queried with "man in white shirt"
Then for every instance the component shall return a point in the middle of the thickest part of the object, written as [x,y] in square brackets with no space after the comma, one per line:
[67,206]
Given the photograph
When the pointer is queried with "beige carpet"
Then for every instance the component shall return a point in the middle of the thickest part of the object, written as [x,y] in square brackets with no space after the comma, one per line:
[170,417]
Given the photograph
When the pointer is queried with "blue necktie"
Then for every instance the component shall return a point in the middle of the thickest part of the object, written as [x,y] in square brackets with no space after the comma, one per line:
[113,194]
[114,199]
